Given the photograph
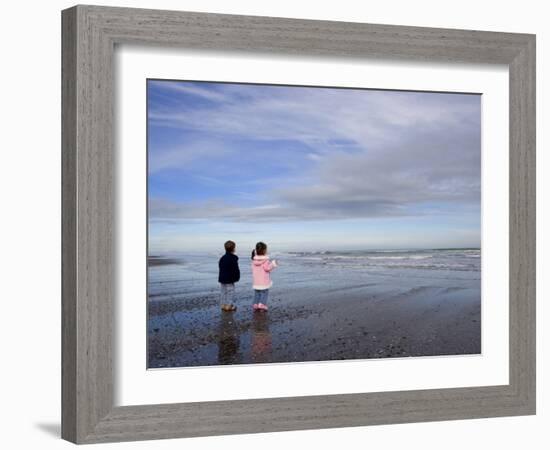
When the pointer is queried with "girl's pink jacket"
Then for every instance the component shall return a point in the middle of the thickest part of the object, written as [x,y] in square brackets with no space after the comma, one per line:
[261,268]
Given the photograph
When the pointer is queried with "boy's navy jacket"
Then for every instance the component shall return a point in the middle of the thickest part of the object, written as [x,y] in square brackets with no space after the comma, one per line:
[229,269]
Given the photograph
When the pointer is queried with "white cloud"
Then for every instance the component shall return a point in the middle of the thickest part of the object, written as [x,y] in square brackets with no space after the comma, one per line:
[373,153]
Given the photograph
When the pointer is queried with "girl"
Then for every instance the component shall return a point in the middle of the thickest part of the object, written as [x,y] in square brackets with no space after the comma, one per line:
[261,279]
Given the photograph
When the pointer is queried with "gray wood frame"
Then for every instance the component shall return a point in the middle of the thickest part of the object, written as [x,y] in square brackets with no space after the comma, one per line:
[89,36]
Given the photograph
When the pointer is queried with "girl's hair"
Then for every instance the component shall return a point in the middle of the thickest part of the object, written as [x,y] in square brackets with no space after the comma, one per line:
[259,250]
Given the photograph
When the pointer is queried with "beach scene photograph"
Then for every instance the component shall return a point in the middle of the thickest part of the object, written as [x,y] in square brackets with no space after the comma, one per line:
[291,224]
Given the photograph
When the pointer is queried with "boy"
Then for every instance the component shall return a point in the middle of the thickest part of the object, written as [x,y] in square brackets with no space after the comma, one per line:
[229,275]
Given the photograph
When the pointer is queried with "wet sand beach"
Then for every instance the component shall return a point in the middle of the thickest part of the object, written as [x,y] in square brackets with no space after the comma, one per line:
[321,307]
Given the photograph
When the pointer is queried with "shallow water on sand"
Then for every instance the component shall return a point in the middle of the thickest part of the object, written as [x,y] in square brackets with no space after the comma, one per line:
[323,306]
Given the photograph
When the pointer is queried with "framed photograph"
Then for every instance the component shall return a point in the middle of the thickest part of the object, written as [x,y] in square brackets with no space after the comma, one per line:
[278,224]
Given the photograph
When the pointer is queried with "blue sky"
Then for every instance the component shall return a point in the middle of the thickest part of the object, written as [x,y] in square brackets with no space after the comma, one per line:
[305,168]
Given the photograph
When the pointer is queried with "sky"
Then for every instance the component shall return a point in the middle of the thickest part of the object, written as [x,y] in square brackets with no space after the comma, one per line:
[311,168]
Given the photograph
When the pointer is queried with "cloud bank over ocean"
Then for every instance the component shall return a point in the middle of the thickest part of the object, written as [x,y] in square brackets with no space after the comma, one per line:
[312,167]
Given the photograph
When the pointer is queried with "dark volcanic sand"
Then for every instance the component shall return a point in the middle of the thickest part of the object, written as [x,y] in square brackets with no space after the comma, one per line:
[358,323]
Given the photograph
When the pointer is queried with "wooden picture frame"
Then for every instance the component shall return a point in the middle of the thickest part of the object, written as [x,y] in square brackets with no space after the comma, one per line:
[89,37]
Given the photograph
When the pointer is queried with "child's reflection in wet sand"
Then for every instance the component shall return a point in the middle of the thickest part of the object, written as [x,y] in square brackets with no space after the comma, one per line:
[229,340]
[261,338]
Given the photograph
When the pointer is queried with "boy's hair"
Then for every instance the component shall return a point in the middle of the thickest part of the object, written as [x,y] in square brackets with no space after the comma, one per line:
[259,250]
[229,246]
